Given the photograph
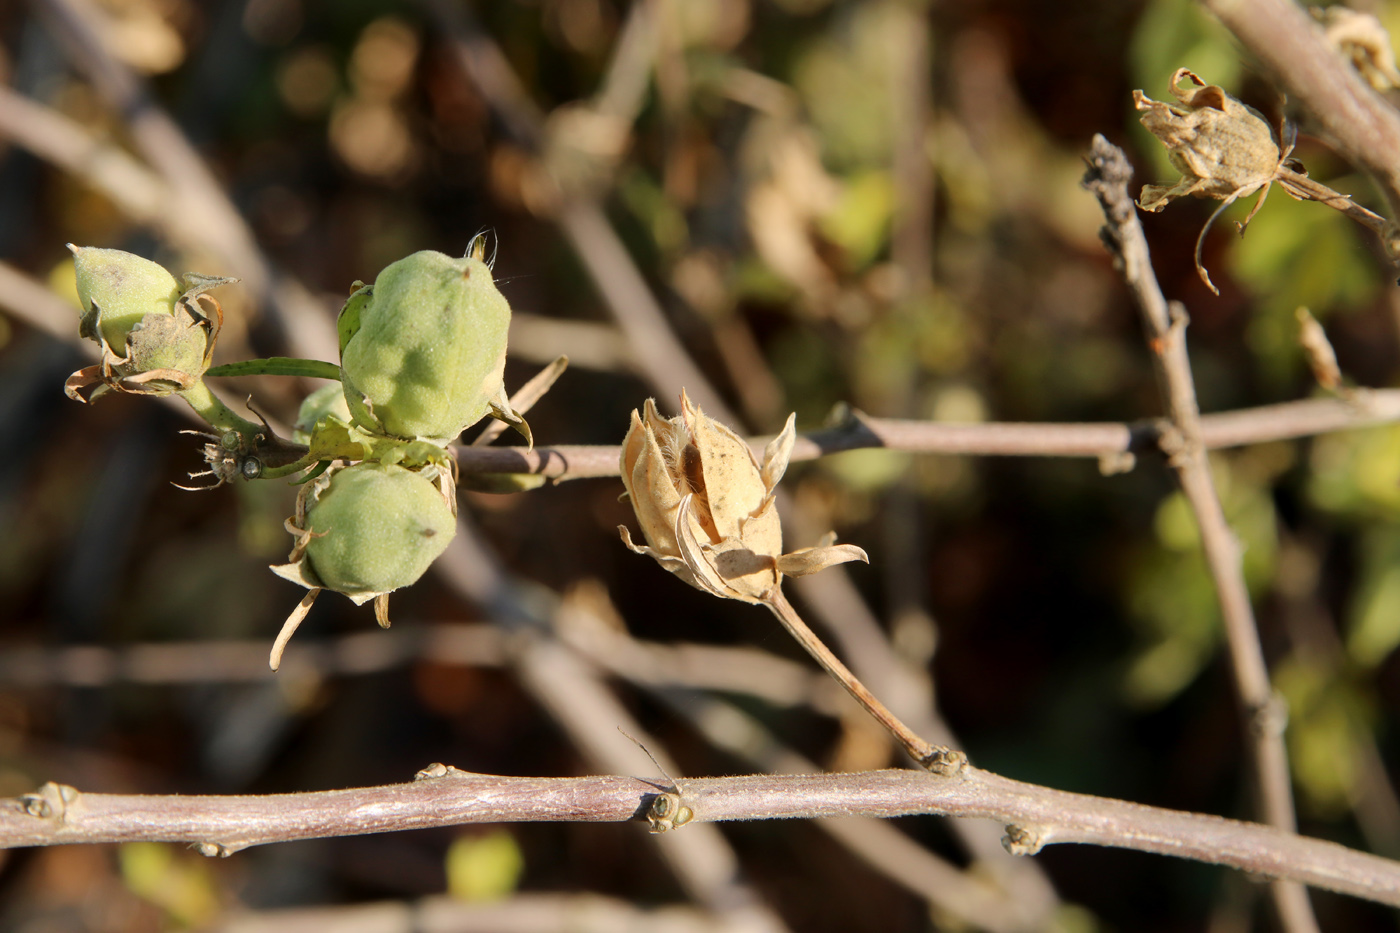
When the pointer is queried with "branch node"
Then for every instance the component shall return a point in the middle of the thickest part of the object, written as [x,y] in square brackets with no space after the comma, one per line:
[437,770]
[668,812]
[1025,840]
[1113,462]
[1172,442]
[1269,718]
[1179,317]
[54,802]
[944,761]
[218,849]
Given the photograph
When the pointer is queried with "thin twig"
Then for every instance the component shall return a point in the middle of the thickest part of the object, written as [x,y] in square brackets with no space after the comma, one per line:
[53,137]
[1308,189]
[220,825]
[920,750]
[911,240]
[1263,424]
[1108,176]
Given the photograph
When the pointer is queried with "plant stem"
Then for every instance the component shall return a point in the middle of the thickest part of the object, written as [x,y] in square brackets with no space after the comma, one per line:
[935,758]
[216,413]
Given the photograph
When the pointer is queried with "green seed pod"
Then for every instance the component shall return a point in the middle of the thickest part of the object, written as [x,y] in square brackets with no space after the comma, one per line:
[168,345]
[428,356]
[376,528]
[123,288]
[327,400]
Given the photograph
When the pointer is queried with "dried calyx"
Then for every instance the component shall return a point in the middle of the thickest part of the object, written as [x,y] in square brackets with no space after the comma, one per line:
[1227,150]
[1223,149]
[706,506]
[708,510]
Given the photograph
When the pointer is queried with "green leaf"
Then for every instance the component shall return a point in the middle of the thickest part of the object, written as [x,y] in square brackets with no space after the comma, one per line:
[278,366]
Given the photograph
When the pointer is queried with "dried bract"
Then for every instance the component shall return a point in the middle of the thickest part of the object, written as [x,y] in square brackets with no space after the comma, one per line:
[1322,359]
[706,506]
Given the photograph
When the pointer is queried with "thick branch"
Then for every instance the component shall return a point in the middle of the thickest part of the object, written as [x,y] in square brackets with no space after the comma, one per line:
[224,824]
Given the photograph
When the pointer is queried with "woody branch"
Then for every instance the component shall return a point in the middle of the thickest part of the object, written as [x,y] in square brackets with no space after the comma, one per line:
[223,824]
[1165,323]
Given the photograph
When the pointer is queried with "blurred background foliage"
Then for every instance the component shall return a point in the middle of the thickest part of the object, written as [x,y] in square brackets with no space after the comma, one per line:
[821,228]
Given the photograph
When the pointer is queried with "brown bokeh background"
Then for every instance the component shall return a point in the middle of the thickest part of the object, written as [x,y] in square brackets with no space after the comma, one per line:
[873,203]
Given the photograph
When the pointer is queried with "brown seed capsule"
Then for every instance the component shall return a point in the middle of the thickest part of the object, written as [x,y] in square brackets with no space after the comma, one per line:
[706,506]
[1222,148]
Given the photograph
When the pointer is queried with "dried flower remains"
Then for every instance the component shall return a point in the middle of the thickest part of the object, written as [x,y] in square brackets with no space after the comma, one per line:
[1223,149]
[708,510]
[706,506]
[1227,150]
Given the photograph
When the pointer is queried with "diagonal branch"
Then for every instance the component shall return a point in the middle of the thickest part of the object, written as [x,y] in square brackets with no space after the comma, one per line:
[1108,176]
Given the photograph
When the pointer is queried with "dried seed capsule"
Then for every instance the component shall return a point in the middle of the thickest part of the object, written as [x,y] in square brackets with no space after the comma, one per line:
[376,528]
[706,505]
[1223,148]
[123,288]
[426,356]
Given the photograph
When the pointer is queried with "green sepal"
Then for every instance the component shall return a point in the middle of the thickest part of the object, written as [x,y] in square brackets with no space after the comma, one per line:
[348,321]
[334,439]
[314,472]
[411,454]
